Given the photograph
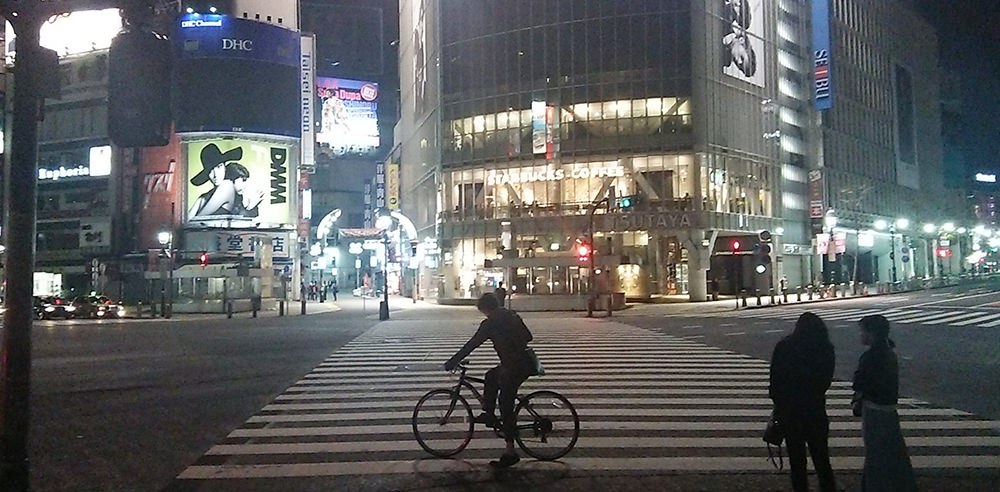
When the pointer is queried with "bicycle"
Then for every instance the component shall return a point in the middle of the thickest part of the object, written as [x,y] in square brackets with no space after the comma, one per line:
[443,422]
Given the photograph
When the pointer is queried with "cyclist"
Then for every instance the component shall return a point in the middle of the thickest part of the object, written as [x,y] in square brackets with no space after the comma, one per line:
[510,338]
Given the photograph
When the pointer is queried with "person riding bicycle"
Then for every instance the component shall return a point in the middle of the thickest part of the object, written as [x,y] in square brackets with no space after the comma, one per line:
[510,338]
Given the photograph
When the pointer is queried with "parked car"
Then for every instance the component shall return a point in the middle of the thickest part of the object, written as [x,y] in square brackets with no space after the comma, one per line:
[55,307]
[97,307]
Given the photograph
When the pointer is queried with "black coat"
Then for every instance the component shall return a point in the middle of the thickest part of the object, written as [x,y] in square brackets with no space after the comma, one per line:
[800,376]
[877,376]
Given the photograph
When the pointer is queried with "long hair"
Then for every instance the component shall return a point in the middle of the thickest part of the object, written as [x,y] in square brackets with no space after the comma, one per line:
[878,327]
[811,331]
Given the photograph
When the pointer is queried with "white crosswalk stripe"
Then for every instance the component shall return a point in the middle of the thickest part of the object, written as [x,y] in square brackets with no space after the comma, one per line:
[647,402]
[953,317]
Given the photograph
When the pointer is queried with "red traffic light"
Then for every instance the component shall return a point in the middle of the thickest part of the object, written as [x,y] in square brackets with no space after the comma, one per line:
[736,245]
[204,259]
[944,252]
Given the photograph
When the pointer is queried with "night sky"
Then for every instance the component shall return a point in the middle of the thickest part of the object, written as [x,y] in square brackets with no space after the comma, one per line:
[969,43]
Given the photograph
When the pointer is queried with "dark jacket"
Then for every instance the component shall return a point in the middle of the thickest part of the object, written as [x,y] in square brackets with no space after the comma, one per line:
[877,376]
[510,338]
[800,376]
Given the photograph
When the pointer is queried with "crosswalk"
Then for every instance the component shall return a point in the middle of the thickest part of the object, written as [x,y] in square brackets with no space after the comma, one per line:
[904,315]
[647,402]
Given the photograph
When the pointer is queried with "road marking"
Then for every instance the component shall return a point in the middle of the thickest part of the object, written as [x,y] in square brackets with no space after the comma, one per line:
[727,324]
[959,298]
[911,318]
[423,466]
[986,317]
[736,334]
[955,317]
[774,331]
[691,326]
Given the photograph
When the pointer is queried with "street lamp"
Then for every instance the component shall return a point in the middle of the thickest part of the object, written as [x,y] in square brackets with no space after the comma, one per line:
[929,228]
[881,225]
[166,240]
[384,222]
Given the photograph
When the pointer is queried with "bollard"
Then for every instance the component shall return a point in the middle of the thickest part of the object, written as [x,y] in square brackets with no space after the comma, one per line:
[254,313]
[757,293]
[610,304]
[798,294]
[281,307]
[738,300]
[743,294]
[229,309]
[810,292]
[303,308]
[771,291]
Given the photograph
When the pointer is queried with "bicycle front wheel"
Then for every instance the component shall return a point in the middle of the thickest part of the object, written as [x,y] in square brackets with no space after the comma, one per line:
[547,425]
[442,423]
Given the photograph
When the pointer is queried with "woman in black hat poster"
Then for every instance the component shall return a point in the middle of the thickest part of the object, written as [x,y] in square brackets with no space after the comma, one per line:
[221,199]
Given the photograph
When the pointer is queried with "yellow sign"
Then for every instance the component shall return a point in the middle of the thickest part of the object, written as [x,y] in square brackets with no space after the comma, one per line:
[238,183]
[392,185]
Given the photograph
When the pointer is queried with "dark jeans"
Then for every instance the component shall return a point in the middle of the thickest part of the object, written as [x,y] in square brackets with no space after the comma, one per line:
[815,436]
[505,382]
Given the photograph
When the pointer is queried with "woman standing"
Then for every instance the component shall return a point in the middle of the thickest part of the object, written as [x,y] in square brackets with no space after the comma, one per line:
[876,391]
[801,372]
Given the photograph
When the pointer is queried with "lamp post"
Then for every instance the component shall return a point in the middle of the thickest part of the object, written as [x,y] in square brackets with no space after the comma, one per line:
[383,223]
[166,240]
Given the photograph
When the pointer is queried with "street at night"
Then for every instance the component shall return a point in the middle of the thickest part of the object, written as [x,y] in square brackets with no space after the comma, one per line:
[505,245]
[323,402]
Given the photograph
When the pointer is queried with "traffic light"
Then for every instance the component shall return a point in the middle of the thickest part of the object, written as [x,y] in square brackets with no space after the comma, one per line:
[943,252]
[762,253]
[204,259]
[583,252]
[139,76]
[736,246]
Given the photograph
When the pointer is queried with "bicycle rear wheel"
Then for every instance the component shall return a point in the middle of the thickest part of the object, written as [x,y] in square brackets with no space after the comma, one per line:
[442,423]
[547,425]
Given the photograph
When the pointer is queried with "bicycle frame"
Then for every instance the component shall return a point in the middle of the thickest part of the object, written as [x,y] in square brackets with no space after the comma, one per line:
[466,381]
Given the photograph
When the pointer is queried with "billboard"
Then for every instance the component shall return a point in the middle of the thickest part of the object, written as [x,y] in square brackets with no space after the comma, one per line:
[308,66]
[239,183]
[73,33]
[348,120]
[742,40]
[237,75]
[822,79]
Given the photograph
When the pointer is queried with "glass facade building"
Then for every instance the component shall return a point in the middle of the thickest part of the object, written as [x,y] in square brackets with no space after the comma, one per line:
[659,132]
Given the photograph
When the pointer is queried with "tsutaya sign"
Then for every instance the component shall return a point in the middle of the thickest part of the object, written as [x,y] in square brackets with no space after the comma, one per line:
[531,175]
[654,220]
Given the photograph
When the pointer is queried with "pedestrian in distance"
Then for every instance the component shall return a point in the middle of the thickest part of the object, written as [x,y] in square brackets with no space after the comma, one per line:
[500,293]
[510,337]
[887,465]
[801,372]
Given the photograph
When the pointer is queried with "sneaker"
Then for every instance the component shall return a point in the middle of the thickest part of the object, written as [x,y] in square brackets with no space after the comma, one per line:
[486,419]
[506,461]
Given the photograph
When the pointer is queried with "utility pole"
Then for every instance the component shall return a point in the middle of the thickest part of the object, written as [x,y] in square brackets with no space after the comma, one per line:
[35,78]
[22,176]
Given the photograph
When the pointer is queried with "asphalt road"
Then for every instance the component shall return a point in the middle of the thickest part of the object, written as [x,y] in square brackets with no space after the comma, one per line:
[952,363]
[127,405]
[130,406]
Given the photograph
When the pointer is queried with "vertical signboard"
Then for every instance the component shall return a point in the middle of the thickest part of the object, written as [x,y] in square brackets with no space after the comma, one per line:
[822,78]
[392,185]
[816,194]
[308,67]
[369,216]
[304,213]
[379,185]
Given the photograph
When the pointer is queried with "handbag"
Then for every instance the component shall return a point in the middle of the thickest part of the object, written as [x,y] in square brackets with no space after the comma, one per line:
[774,436]
[536,365]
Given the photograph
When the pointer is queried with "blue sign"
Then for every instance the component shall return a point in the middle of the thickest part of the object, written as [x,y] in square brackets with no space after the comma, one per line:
[220,36]
[822,75]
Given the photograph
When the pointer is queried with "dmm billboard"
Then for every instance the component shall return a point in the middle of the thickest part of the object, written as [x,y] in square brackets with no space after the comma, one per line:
[240,183]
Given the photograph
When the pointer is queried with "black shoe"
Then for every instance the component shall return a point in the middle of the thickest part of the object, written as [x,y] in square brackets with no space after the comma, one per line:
[506,461]
[488,419]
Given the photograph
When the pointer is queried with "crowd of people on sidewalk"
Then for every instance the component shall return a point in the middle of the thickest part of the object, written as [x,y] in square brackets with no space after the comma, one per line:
[320,291]
[801,372]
